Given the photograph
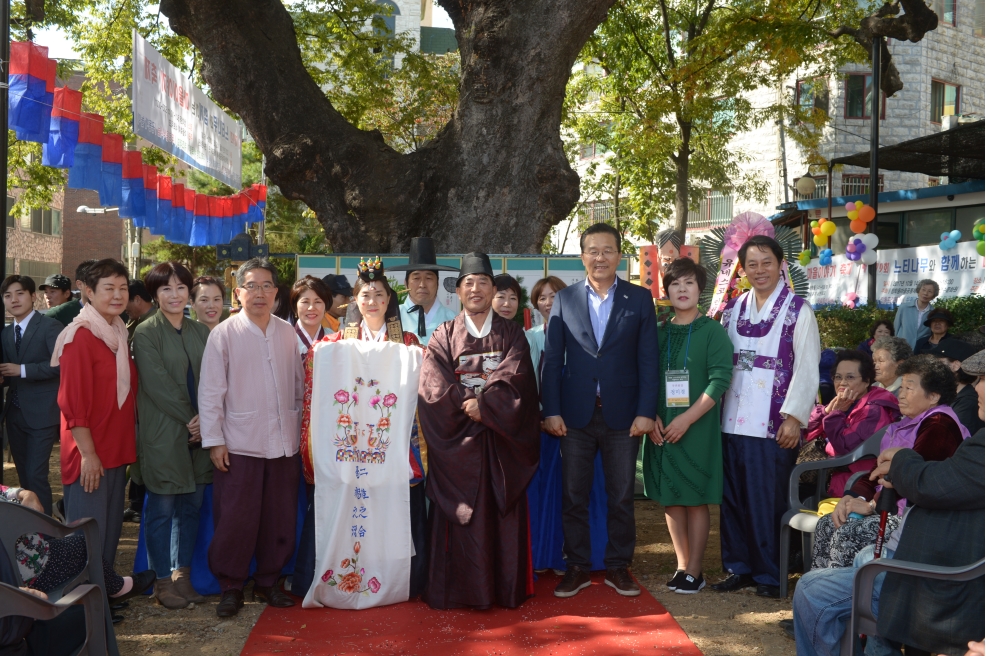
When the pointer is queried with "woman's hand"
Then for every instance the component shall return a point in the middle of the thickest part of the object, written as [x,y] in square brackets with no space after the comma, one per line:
[842,401]
[30,500]
[92,471]
[656,435]
[195,429]
[850,504]
[676,429]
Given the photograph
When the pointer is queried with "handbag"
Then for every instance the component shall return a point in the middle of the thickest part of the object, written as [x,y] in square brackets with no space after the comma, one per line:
[812,451]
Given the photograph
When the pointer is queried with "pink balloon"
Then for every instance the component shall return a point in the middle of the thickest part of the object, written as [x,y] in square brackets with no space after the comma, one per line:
[851,296]
[850,248]
[850,207]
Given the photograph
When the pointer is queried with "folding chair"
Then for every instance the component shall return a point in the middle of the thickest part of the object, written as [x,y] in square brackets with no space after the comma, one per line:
[863,621]
[805,522]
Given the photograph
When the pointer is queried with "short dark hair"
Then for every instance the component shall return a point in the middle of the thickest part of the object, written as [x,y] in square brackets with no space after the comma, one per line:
[556,283]
[282,303]
[505,281]
[761,242]
[161,275]
[882,322]
[360,284]
[27,282]
[80,271]
[601,228]
[107,268]
[684,267]
[867,370]
[255,263]
[935,376]
[205,281]
[314,284]
[137,289]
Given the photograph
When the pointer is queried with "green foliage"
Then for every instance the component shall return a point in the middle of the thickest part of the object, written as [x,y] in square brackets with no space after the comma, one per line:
[665,84]
[200,260]
[967,310]
[840,327]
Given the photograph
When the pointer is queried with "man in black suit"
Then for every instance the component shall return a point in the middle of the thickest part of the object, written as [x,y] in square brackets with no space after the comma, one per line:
[31,411]
[945,501]
[599,393]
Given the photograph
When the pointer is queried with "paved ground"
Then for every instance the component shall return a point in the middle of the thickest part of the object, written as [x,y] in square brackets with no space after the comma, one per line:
[737,624]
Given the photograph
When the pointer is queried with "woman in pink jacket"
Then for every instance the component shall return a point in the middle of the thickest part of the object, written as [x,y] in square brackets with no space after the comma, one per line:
[856,412]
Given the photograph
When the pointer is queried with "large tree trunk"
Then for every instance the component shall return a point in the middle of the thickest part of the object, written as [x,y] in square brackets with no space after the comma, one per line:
[495,178]
[681,165]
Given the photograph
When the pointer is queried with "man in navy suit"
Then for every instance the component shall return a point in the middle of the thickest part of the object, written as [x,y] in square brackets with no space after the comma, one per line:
[599,392]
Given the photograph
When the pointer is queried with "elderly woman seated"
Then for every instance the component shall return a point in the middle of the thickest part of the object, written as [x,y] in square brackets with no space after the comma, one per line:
[888,353]
[928,426]
[858,410]
[45,563]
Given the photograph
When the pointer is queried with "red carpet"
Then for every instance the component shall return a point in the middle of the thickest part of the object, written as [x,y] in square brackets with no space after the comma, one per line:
[596,621]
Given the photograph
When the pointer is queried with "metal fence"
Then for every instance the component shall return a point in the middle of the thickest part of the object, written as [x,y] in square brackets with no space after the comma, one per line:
[855,185]
[714,210]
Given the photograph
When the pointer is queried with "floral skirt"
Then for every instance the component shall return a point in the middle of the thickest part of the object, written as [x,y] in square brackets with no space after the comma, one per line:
[837,547]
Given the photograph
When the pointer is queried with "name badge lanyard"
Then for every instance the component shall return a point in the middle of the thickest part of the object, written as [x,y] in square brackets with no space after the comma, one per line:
[676,388]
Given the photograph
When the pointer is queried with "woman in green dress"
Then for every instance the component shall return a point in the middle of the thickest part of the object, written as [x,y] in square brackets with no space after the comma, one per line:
[683,457]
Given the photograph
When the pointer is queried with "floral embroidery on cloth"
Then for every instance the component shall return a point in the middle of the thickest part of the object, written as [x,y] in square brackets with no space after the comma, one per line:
[351,582]
[350,436]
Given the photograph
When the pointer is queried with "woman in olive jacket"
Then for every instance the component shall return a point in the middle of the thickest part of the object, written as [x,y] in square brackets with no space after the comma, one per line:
[168,350]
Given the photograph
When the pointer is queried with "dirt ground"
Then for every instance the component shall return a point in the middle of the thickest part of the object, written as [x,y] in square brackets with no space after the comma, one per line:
[734,624]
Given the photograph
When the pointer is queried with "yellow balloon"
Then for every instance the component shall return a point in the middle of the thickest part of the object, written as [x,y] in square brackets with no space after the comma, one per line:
[828,229]
[859,204]
[853,215]
[820,240]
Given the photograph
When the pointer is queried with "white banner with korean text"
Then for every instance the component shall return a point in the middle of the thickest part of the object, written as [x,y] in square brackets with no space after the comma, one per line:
[179,118]
[958,272]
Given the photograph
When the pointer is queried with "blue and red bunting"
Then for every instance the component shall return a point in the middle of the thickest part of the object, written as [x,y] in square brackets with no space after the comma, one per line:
[150,199]
[63,136]
[31,83]
[111,181]
[200,222]
[87,166]
[176,229]
[163,226]
[133,203]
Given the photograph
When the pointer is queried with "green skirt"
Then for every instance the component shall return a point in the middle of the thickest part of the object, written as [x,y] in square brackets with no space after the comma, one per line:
[687,473]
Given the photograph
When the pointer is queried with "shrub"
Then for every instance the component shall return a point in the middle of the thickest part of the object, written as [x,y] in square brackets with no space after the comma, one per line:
[840,327]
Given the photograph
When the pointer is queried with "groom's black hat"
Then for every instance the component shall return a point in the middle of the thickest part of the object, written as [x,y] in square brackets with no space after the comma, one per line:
[421,257]
[475,263]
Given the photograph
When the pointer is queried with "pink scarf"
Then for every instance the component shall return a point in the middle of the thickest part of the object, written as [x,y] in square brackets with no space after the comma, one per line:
[113,335]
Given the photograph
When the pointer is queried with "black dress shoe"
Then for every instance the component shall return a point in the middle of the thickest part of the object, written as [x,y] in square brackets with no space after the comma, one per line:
[735,582]
[142,581]
[788,626]
[123,605]
[230,603]
[116,618]
[772,591]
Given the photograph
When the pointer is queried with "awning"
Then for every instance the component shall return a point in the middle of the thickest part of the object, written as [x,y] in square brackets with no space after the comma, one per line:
[958,152]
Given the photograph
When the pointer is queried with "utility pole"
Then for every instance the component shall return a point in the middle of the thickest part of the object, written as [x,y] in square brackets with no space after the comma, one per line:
[876,105]
[4,93]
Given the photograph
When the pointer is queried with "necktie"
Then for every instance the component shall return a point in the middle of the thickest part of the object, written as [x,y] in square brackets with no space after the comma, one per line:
[17,347]
[421,319]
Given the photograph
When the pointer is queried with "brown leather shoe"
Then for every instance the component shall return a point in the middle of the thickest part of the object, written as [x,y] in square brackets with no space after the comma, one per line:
[167,596]
[230,603]
[620,580]
[182,578]
[273,595]
[576,579]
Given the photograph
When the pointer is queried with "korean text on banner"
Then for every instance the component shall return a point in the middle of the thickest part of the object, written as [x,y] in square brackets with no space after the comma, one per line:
[176,116]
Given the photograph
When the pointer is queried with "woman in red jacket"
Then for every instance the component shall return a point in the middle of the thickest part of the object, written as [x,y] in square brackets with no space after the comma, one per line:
[96,397]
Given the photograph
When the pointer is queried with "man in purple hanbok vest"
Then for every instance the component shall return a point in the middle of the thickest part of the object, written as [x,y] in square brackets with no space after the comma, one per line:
[775,379]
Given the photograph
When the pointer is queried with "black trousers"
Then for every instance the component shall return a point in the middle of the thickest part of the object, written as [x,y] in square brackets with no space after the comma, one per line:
[619,455]
[31,450]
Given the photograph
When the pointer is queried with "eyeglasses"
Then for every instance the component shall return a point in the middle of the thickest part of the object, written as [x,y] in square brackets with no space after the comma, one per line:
[253,287]
[848,379]
[607,253]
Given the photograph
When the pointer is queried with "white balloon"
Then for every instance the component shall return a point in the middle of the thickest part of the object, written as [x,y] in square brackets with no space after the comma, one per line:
[869,257]
[871,240]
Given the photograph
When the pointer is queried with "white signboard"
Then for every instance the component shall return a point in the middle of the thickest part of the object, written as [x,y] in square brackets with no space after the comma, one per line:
[958,272]
[177,117]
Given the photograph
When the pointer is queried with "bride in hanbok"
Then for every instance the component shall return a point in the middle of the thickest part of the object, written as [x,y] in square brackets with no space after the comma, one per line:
[359,420]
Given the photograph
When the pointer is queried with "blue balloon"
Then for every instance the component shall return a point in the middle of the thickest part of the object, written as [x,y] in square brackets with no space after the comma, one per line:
[956,235]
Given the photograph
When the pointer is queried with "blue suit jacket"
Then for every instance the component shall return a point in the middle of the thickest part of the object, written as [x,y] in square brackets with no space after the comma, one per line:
[625,365]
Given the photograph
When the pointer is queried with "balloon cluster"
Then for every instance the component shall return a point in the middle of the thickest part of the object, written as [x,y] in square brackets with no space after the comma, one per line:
[822,229]
[950,240]
[863,248]
[825,257]
[979,233]
[859,215]
[850,300]
[804,257]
